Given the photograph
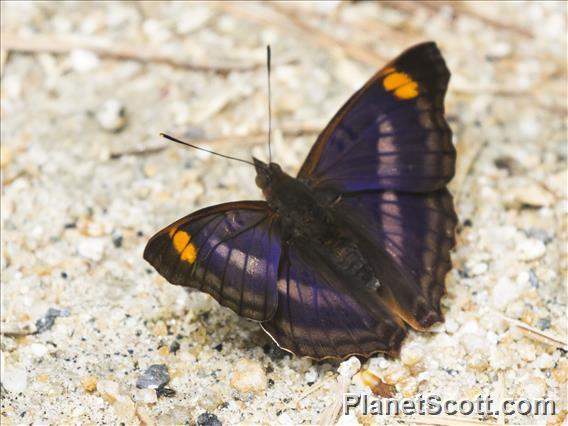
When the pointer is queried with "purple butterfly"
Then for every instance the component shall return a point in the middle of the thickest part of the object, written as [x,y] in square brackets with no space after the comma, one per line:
[340,259]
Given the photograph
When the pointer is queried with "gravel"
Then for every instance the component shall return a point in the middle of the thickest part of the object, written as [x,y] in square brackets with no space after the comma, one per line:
[86,180]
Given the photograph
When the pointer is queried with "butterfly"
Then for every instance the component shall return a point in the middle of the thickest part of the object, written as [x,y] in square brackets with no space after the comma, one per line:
[343,258]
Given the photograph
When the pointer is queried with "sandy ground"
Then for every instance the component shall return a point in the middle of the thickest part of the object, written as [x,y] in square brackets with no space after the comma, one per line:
[86,180]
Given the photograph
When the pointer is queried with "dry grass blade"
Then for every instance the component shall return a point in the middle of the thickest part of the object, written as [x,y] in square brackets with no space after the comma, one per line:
[284,17]
[467,155]
[17,329]
[536,334]
[342,47]
[3,60]
[456,8]
[108,48]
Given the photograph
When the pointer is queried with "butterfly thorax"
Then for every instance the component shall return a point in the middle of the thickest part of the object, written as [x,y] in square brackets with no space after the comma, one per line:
[306,217]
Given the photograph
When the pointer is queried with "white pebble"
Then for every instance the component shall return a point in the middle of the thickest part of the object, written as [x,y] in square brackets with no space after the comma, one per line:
[91,248]
[534,388]
[349,367]
[248,376]
[84,60]
[534,196]
[145,396]
[544,361]
[109,390]
[504,292]
[311,375]
[473,342]
[111,115]
[451,325]
[15,380]
[411,354]
[531,249]
[38,350]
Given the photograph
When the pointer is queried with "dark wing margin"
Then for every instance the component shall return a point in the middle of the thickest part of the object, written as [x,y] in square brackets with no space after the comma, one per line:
[230,251]
[320,316]
[391,134]
[417,231]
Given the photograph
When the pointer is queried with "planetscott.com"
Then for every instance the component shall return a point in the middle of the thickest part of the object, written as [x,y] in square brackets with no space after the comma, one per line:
[434,405]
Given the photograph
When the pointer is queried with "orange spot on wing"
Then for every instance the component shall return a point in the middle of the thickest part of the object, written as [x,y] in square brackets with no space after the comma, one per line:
[402,84]
[182,244]
[189,254]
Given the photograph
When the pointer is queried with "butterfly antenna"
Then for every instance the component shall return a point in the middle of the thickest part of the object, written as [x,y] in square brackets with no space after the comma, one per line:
[269,106]
[205,149]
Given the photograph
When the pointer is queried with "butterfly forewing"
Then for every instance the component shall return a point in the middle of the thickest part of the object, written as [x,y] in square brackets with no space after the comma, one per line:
[230,251]
[391,134]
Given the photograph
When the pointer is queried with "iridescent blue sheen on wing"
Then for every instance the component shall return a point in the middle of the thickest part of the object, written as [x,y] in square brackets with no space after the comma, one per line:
[320,316]
[417,231]
[230,251]
[386,139]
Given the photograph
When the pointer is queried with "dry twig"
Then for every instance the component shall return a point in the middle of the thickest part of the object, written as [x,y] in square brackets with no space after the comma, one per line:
[108,48]
[536,334]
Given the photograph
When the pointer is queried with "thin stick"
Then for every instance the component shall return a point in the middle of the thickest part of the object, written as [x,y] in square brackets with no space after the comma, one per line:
[356,52]
[17,329]
[536,334]
[282,16]
[108,48]
[3,60]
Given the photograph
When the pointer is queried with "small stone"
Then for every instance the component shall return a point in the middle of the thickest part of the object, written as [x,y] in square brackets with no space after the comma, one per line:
[42,378]
[164,351]
[248,376]
[84,60]
[109,390]
[208,419]
[504,292]
[474,342]
[451,326]
[349,367]
[45,323]
[543,323]
[154,377]
[111,115]
[274,352]
[145,396]
[544,361]
[478,269]
[143,415]
[91,248]
[38,350]
[89,383]
[125,409]
[311,375]
[15,380]
[535,387]
[117,239]
[531,249]
[411,354]
[534,196]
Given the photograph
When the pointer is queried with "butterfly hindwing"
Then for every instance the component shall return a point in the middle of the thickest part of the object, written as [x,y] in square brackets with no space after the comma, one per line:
[230,251]
[320,316]
[416,230]
[391,134]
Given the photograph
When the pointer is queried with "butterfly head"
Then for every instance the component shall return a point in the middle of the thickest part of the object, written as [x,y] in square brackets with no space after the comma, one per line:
[266,174]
